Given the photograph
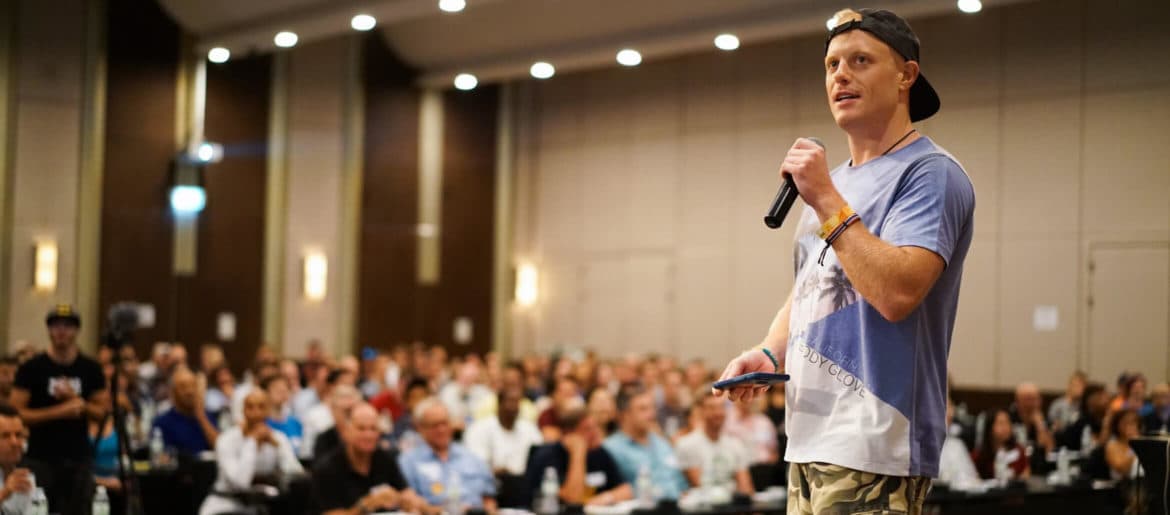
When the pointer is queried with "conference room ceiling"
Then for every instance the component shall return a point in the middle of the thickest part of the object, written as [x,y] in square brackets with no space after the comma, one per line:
[499,39]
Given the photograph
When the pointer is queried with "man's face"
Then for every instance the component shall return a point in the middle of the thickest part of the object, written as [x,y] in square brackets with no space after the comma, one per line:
[256,407]
[1027,401]
[566,391]
[672,387]
[714,414]
[510,406]
[861,66]
[415,396]
[435,427]
[278,392]
[640,415]
[589,430]
[62,334]
[1160,397]
[512,378]
[12,436]
[185,390]
[362,430]
[7,375]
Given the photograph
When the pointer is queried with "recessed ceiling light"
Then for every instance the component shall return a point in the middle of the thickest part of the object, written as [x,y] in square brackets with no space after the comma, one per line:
[542,70]
[466,82]
[363,22]
[726,42]
[629,57]
[970,6]
[219,55]
[285,39]
[452,6]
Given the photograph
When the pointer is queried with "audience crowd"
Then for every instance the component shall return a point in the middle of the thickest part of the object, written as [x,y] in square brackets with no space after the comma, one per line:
[412,428]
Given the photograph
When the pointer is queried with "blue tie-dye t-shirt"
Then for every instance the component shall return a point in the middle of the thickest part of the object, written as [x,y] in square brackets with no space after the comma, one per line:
[867,393]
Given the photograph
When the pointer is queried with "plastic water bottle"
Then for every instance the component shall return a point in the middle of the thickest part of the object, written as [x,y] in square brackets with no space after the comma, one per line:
[645,487]
[101,502]
[453,504]
[550,486]
[157,448]
[38,504]
[1063,470]
[1003,471]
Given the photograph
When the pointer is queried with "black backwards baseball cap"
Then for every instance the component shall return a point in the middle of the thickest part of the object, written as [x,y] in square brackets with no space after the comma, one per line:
[63,313]
[892,30]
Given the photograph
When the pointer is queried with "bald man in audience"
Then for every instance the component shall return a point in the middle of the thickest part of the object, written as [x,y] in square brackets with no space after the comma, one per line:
[1027,415]
[187,425]
[361,478]
[321,433]
[1158,420]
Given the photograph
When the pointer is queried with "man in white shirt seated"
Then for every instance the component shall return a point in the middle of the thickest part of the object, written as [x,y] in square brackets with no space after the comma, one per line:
[464,393]
[955,465]
[708,456]
[503,441]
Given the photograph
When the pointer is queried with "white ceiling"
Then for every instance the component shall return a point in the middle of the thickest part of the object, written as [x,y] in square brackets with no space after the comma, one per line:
[499,39]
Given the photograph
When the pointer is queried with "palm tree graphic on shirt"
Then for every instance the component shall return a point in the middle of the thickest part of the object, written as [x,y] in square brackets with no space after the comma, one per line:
[837,287]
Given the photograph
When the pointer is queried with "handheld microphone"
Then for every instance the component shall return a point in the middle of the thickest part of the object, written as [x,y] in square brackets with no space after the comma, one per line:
[785,197]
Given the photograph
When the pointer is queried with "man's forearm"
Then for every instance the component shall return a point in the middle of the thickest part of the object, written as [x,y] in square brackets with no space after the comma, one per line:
[209,430]
[894,280]
[777,338]
[573,491]
[34,416]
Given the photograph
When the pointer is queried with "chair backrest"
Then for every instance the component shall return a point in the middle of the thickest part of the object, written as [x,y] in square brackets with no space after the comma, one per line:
[1154,455]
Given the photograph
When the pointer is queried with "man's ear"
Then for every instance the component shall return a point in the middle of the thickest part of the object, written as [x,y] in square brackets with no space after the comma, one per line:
[908,75]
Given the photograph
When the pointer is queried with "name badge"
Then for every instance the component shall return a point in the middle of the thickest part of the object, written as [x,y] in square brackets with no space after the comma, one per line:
[595,479]
[430,471]
[670,461]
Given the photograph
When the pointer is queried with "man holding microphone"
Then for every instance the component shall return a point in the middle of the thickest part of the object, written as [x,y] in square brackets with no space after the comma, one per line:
[879,256]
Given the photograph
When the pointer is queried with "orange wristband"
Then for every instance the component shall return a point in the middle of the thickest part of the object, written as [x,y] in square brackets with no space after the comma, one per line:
[836,220]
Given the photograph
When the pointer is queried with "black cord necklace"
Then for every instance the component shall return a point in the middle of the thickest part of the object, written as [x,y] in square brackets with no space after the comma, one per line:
[900,140]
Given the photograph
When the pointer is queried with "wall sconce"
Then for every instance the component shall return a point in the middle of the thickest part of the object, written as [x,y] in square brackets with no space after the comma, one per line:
[316,275]
[45,270]
[526,284]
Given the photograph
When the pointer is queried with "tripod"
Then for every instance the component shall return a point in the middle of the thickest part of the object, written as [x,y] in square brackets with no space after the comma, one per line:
[117,336]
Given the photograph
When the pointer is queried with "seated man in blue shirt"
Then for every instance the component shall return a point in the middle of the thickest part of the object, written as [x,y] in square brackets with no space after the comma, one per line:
[637,447]
[187,426]
[442,469]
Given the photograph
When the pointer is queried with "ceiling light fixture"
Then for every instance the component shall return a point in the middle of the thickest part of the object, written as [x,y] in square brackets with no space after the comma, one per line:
[629,57]
[970,6]
[285,39]
[362,22]
[466,82]
[726,42]
[542,70]
[452,6]
[219,55]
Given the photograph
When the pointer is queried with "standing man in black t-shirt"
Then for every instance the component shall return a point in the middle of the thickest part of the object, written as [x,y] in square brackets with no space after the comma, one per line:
[53,391]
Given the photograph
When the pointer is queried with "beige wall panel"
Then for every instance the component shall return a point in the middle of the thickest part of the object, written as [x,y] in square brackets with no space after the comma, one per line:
[1032,273]
[47,112]
[1126,181]
[1042,166]
[705,193]
[652,181]
[1036,65]
[1123,43]
[703,304]
[975,344]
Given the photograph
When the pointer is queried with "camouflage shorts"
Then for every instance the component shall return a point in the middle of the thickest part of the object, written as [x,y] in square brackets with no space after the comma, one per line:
[824,489]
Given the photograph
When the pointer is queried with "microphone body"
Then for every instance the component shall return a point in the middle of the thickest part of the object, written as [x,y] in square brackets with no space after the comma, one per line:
[784,198]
